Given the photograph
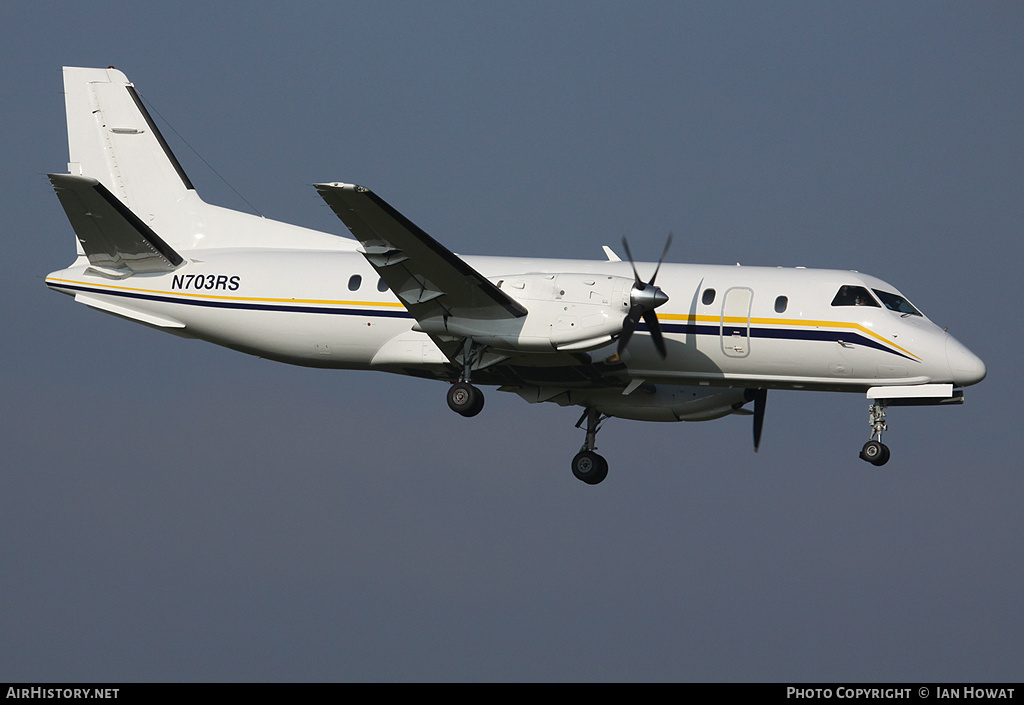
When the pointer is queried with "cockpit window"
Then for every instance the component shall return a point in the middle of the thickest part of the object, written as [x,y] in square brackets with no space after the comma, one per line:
[854,296]
[895,302]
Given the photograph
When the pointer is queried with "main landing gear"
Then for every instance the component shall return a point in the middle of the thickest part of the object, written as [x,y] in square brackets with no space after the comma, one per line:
[874,451]
[463,397]
[587,465]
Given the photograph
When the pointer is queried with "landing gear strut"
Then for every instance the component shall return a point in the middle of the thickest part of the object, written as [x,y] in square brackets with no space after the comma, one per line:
[587,465]
[874,451]
[463,397]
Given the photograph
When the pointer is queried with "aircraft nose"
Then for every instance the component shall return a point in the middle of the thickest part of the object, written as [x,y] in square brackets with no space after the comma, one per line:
[966,367]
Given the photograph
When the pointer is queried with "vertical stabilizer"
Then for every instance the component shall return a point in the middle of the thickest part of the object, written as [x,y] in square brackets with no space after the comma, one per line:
[112,138]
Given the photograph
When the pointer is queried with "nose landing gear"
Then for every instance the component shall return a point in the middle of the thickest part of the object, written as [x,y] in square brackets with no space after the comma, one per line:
[874,451]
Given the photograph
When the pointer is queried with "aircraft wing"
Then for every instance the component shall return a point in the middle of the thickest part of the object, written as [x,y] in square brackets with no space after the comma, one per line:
[428,278]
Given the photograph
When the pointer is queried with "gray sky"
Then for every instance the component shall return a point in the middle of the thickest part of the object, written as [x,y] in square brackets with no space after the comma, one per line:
[175,511]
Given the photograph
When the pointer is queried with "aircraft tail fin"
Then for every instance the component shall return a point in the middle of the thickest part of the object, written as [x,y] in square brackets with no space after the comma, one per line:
[116,241]
[112,138]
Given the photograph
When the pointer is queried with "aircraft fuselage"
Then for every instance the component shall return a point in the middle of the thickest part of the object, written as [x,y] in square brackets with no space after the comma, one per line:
[724,325]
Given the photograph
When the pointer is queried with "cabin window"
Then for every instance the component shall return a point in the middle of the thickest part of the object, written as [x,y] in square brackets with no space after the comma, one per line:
[895,302]
[354,281]
[781,303]
[381,286]
[708,297]
[854,296]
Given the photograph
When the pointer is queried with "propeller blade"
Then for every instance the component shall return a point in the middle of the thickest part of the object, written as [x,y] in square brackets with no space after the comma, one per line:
[661,259]
[644,298]
[760,397]
[629,324]
[651,319]
[629,256]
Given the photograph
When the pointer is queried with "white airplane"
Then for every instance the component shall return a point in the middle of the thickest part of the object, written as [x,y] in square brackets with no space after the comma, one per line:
[573,332]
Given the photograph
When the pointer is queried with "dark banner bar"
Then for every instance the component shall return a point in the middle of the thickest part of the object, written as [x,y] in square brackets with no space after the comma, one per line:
[840,692]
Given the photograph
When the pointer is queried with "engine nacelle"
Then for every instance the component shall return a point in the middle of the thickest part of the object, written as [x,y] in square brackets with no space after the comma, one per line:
[569,311]
[566,312]
[667,403]
[648,402]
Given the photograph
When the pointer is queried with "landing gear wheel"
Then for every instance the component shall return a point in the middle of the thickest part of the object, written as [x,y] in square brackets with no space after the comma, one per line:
[465,399]
[875,452]
[589,467]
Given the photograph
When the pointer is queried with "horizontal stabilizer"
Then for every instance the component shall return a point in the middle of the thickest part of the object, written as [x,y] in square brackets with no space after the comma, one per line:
[112,236]
[151,319]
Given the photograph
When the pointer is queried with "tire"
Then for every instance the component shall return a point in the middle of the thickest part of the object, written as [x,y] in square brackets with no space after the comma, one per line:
[589,467]
[885,456]
[465,399]
[875,452]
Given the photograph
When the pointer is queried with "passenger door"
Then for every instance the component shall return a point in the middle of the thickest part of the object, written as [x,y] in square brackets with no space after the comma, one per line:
[735,325]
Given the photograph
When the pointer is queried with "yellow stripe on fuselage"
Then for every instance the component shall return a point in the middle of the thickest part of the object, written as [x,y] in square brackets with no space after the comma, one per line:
[793,322]
[215,297]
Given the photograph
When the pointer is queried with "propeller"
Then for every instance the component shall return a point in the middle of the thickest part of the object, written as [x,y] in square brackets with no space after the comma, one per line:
[759,397]
[643,299]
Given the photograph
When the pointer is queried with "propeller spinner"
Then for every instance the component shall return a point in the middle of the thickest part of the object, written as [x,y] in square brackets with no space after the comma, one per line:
[643,299]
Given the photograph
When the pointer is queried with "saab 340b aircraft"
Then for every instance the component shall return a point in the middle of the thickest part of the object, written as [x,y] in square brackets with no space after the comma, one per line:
[701,343]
